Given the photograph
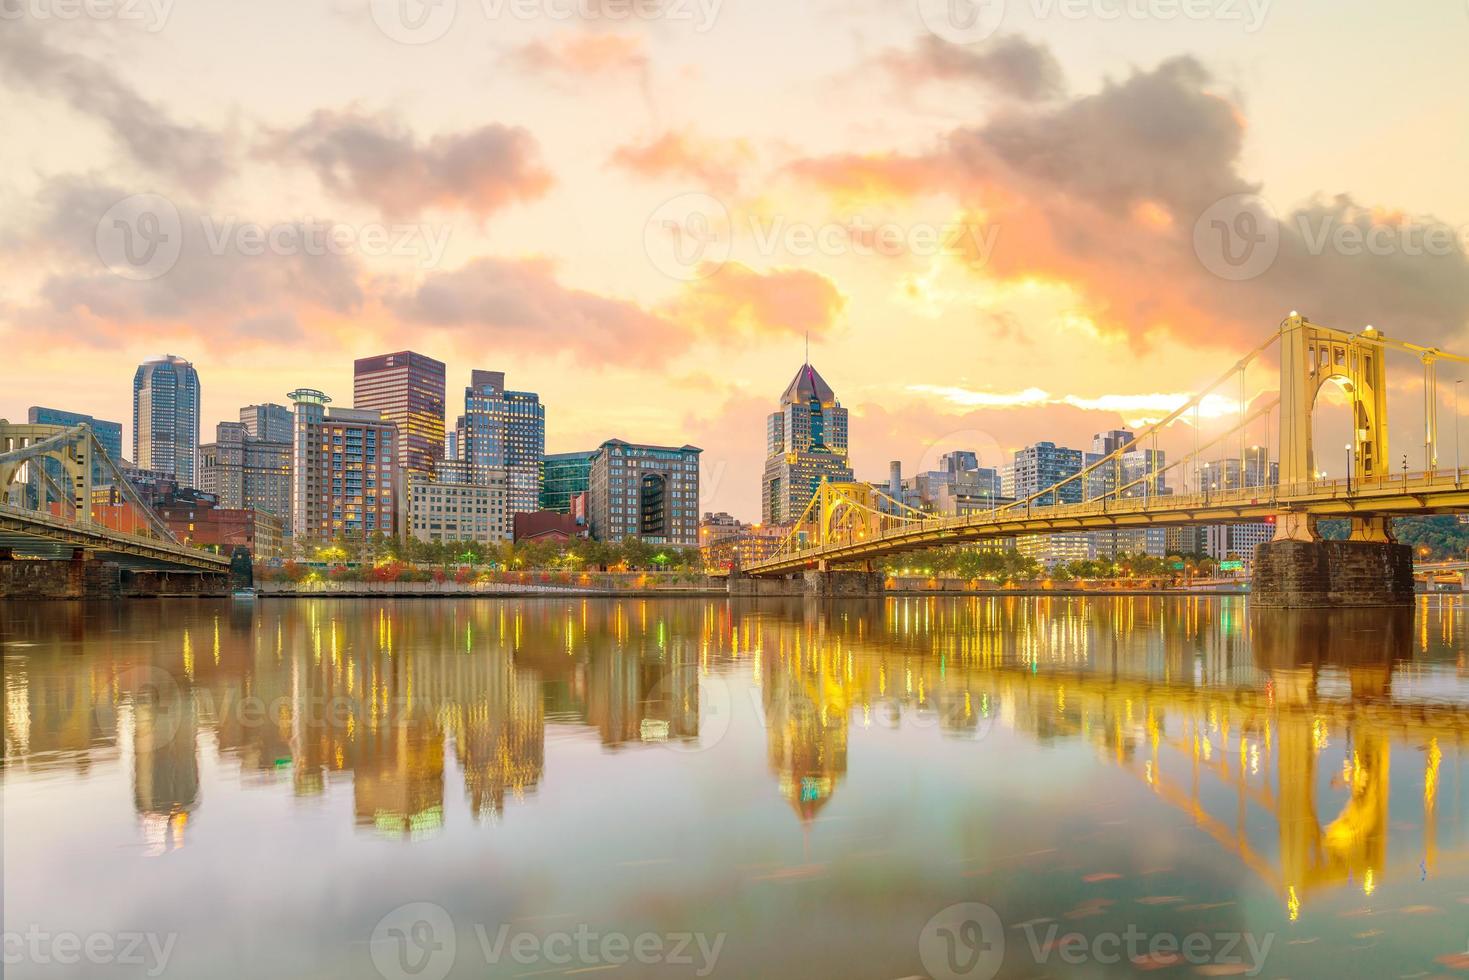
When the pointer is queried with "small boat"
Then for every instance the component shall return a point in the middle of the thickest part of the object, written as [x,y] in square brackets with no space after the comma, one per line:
[244,595]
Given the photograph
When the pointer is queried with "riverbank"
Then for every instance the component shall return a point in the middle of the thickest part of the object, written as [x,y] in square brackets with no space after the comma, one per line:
[713,586]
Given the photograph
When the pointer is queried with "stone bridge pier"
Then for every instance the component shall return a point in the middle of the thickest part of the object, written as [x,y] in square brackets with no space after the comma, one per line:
[816,583]
[1298,570]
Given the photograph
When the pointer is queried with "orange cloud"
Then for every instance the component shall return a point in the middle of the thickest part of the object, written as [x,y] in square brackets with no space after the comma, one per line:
[714,164]
[584,54]
[741,300]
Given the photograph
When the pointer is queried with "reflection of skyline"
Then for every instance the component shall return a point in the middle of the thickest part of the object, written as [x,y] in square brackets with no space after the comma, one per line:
[1282,737]
[374,694]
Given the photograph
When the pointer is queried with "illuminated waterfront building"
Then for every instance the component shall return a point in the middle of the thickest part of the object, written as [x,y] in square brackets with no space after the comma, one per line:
[344,470]
[647,492]
[458,505]
[406,389]
[166,417]
[563,476]
[805,443]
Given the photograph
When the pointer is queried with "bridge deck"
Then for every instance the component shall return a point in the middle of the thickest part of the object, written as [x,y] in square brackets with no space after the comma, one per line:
[1420,493]
[34,535]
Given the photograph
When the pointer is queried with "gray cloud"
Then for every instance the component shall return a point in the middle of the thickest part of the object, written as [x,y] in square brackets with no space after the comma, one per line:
[523,301]
[1010,65]
[194,155]
[378,161]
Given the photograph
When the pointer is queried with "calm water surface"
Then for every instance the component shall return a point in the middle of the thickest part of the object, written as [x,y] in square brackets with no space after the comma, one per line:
[396,789]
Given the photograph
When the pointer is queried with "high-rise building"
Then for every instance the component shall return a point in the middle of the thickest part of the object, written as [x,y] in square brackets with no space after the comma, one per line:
[247,472]
[648,492]
[563,476]
[1042,465]
[269,423]
[504,430]
[166,417]
[805,443]
[109,434]
[344,470]
[1253,468]
[406,389]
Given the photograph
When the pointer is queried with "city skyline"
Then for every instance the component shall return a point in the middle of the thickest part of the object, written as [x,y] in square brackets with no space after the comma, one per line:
[1081,305]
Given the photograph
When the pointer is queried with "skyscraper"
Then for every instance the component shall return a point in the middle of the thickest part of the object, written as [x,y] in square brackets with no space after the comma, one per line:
[166,417]
[506,430]
[805,442]
[407,389]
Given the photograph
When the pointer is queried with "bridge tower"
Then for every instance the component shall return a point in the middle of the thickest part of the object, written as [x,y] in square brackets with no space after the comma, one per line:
[1297,568]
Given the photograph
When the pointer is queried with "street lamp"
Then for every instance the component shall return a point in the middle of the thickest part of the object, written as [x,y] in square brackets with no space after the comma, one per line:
[1349,469]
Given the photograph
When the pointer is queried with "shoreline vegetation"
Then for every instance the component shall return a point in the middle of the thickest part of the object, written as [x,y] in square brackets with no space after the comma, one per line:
[378,563]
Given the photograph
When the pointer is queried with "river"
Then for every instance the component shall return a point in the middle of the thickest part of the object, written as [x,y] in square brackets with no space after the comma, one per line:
[944,787]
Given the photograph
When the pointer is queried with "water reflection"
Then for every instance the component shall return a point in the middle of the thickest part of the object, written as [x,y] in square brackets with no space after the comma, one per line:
[1284,737]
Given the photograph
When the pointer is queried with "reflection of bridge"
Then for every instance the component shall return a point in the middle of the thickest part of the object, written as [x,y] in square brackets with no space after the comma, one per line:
[1246,737]
[851,524]
[62,497]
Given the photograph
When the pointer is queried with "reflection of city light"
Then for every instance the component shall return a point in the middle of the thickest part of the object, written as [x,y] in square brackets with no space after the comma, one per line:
[1369,882]
[1319,739]
[1293,904]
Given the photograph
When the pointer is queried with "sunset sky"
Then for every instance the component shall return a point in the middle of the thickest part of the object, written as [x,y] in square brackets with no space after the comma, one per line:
[988,239]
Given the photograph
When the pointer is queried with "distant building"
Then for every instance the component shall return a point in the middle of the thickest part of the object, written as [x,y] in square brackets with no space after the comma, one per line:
[1223,542]
[563,476]
[1253,468]
[344,471]
[245,471]
[1042,465]
[1184,540]
[1055,549]
[960,486]
[197,519]
[166,417]
[268,423]
[506,430]
[109,434]
[152,486]
[805,443]
[407,389]
[1151,541]
[647,492]
[725,542]
[548,525]
[459,506]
